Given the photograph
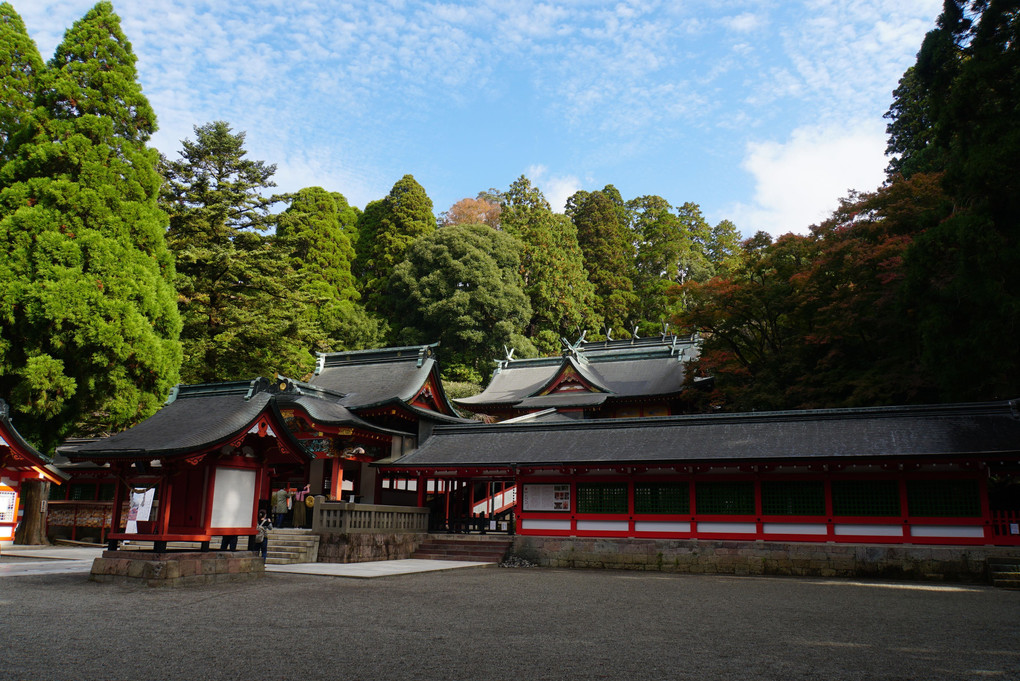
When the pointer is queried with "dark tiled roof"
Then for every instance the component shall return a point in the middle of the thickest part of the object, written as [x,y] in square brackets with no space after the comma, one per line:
[330,413]
[634,368]
[189,423]
[577,398]
[10,436]
[369,378]
[988,429]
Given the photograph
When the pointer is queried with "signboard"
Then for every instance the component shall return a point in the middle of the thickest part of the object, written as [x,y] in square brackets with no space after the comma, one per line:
[8,505]
[547,497]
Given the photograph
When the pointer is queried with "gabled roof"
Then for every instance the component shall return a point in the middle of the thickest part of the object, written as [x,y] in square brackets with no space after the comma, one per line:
[373,378]
[639,367]
[983,429]
[196,417]
[17,453]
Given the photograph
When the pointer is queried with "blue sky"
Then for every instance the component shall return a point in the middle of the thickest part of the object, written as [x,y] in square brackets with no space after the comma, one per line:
[763,112]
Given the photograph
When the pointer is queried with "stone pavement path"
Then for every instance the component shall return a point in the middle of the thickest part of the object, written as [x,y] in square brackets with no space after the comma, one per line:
[509,625]
[30,560]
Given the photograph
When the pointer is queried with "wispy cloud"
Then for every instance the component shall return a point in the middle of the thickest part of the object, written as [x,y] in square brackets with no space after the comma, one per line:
[359,91]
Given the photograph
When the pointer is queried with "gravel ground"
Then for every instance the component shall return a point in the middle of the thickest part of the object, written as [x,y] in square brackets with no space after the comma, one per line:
[489,623]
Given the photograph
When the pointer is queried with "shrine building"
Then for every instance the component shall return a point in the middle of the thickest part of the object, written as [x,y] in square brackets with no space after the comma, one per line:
[936,474]
[604,379]
[20,462]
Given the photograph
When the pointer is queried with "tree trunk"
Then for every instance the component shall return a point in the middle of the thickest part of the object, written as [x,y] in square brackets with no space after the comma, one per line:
[32,530]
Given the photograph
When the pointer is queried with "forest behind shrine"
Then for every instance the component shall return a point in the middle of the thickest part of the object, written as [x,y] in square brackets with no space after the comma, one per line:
[123,273]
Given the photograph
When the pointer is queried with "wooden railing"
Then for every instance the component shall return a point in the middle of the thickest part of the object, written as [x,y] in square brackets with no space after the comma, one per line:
[345,518]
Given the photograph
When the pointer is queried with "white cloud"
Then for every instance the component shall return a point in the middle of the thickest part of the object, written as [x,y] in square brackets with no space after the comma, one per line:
[799,182]
[557,188]
[743,23]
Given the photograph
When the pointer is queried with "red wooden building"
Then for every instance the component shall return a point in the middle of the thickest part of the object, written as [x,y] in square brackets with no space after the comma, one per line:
[215,452]
[941,474]
[19,462]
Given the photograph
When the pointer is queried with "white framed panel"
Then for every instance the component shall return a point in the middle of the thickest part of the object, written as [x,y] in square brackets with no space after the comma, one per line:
[654,526]
[603,525]
[968,531]
[233,497]
[794,528]
[868,530]
[544,524]
[727,528]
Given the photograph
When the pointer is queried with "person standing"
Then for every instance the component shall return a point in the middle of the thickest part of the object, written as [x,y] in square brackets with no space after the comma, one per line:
[300,507]
[281,505]
[262,534]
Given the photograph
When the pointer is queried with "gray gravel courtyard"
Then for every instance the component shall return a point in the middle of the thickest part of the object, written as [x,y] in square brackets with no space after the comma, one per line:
[491,623]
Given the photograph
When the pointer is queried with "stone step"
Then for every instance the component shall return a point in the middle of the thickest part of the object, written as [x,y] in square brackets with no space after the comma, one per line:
[474,549]
[1012,584]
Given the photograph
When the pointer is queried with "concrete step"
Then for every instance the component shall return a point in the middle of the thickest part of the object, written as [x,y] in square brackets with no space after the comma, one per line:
[1005,573]
[467,548]
[292,545]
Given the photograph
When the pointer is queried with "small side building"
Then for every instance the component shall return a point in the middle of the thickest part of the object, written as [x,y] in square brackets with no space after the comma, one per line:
[21,465]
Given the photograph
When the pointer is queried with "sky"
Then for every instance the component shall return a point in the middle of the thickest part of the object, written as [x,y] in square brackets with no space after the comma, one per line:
[763,112]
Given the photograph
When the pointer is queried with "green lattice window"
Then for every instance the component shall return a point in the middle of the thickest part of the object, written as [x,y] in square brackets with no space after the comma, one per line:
[866,497]
[944,498]
[792,497]
[83,492]
[106,491]
[662,497]
[57,492]
[602,498]
[725,498]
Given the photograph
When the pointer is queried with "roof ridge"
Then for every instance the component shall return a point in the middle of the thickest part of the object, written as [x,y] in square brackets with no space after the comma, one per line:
[1011,407]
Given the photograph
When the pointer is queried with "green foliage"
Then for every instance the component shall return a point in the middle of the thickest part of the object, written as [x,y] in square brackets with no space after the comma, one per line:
[671,250]
[244,311]
[315,233]
[20,70]
[963,118]
[461,285]
[386,230]
[820,321]
[552,267]
[88,322]
[723,248]
[601,221]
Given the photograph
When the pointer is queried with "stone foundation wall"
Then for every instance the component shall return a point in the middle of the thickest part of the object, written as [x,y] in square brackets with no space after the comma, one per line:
[360,548]
[176,569]
[938,563]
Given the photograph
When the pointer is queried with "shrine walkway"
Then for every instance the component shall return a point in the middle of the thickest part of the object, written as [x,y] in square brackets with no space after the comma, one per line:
[48,560]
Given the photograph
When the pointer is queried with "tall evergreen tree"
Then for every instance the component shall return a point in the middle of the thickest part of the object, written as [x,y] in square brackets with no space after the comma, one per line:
[21,67]
[243,309]
[88,323]
[962,272]
[723,248]
[552,267]
[386,230]
[315,233]
[605,241]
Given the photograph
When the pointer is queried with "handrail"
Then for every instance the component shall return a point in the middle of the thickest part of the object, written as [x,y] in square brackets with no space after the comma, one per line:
[339,517]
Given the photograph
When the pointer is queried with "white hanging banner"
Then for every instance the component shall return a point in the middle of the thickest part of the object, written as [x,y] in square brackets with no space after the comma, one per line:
[141,508]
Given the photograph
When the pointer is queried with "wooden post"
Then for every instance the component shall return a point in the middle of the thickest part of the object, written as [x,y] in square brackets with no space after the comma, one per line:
[336,485]
[32,529]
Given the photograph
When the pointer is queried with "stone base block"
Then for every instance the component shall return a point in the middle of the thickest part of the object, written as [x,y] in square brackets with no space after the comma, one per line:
[170,569]
[360,548]
[699,556]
